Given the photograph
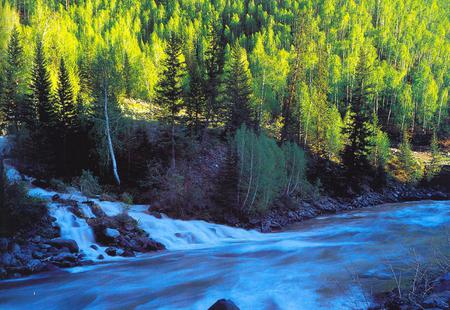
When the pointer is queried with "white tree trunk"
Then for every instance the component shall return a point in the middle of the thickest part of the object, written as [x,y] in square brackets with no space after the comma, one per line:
[108,136]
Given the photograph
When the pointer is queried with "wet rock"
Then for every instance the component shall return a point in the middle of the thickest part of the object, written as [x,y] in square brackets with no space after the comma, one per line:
[128,253]
[111,251]
[95,247]
[38,255]
[107,197]
[35,265]
[223,304]
[6,259]
[15,248]
[61,243]
[100,257]
[97,210]
[112,233]
[56,197]
[4,244]
[3,273]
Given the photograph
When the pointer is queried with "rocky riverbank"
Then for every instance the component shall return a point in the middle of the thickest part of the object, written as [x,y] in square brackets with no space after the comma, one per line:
[42,248]
[286,212]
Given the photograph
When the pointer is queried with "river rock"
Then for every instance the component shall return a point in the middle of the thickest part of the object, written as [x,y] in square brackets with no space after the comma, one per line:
[112,233]
[223,304]
[7,259]
[111,251]
[68,243]
[15,248]
[35,265]
[3,244]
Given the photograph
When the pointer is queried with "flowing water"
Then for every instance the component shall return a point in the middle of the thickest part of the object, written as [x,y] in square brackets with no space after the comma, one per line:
[330,262]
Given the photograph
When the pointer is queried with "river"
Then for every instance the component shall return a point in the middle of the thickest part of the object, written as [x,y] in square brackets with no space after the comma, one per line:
[331,262]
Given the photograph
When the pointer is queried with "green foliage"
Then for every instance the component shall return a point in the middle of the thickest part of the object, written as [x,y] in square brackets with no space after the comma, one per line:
[295,160]
[358,131]
[10,97]
[238,91]
[380,151]
[88,184]
[169,92]
[126,198]
[410,167]
[17,209]
[262,170]
[435,165]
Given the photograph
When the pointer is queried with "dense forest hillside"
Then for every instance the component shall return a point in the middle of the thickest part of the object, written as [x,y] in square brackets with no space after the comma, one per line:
[139,92]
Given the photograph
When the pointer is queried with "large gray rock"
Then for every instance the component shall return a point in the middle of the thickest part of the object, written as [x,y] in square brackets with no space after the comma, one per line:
[68,243]
[223,304]
[6,259]
[112,233]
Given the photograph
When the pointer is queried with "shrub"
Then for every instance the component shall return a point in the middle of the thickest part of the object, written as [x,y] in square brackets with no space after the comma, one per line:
[410,168]
[435,165]
[88,184]
[58,185]
[126,198]
[17,209]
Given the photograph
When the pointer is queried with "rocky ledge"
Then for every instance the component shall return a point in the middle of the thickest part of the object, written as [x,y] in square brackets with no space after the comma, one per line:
[41,248]
[36,250]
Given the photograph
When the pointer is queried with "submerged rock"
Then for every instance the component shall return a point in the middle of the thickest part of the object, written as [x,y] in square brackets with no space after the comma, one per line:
[223,304]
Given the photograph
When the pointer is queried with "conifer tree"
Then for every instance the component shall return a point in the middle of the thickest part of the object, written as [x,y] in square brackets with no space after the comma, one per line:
[214,62]
[67,118]
[10,99]
[238,91]
[65,98]
[195,103]
[356,151]
[40,90]
[169,91]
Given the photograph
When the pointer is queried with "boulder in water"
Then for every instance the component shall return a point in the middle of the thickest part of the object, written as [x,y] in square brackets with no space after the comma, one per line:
[112,233]
[111,251]
[61,243]
[223,304]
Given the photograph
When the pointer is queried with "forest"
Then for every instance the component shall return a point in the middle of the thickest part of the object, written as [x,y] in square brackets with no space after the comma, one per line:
[140,93]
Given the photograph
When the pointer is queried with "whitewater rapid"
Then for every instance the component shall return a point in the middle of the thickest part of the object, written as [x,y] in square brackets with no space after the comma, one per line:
[174,234]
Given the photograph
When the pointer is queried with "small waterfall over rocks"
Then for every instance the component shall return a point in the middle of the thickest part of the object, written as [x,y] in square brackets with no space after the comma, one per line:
[173,234]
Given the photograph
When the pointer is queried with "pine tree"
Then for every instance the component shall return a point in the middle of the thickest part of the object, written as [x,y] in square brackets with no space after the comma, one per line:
[10,100]
[214,61]
[40,90]
[356,151]
[169,91]
[238,91]
[196,100]
[67,119]
[65,98]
